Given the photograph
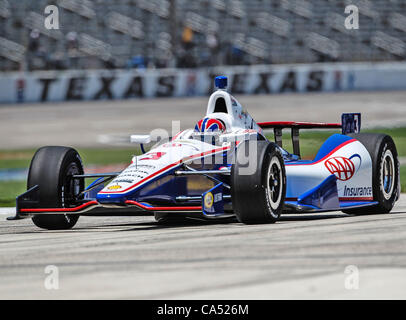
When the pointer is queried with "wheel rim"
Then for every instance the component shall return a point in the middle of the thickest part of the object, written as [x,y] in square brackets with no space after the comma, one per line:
[274,183]
[387,174]
[70,187]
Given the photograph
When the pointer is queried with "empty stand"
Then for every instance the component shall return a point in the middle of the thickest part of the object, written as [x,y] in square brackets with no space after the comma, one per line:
[121,33]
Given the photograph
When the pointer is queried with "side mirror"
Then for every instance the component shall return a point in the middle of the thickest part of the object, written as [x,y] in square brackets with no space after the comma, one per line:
[157,135]
[140,138]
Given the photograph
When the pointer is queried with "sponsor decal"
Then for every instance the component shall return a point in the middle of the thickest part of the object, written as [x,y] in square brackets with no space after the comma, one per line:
[343,168]
[190,144]
[169,145]
[357,191]
[218,197]
[136,166]
[153,155]
[208,200]
[123,181]
[131,84]
[115,187]
[165,169]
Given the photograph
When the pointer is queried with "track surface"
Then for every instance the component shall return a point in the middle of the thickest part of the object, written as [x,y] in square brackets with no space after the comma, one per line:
[81,124]
[133,257]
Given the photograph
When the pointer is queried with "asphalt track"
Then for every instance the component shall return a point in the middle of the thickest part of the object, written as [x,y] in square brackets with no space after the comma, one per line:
[299,257]
[84,124]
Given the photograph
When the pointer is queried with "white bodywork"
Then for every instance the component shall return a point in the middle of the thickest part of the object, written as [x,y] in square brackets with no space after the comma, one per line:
[355,186]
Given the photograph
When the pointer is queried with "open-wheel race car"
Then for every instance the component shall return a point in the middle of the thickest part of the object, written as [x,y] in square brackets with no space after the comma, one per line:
[223,167]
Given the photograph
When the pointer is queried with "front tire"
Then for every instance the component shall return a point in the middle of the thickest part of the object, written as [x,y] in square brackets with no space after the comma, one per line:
[385,172]
[51,169]
[258,186]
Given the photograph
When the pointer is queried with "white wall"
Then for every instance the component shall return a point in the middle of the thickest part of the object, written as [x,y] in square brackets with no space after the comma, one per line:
[121,84]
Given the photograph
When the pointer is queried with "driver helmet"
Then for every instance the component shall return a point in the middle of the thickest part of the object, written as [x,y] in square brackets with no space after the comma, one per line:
[208,124]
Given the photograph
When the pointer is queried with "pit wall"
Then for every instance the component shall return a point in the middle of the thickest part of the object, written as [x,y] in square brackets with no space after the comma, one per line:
[41,86]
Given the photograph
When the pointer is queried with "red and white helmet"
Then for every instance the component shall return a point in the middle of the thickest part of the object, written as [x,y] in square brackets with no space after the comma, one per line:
[209,124]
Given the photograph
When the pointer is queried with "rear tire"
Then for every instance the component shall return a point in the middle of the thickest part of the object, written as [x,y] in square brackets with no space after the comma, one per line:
[385,172]
[51,169]
[258,187]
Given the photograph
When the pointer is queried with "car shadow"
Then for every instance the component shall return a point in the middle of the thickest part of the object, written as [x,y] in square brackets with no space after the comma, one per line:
[309,217]
[154,225]
[193,222]
[190,223]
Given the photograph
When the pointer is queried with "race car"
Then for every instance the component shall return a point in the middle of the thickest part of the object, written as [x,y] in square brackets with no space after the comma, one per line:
[223,167]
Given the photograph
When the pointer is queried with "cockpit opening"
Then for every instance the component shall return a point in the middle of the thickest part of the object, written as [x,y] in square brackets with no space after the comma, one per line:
[220,105]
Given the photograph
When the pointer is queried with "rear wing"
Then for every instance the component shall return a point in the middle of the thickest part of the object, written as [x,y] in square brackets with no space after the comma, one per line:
[350,123]
[298,125]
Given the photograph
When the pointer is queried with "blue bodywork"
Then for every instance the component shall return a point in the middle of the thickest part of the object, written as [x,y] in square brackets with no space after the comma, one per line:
[166,189]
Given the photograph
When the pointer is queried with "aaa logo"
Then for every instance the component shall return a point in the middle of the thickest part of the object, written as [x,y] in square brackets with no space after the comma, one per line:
[343,168]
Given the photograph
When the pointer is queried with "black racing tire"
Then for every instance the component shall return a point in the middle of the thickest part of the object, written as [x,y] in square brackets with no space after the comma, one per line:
[258,183]
[385,172]
[50,169]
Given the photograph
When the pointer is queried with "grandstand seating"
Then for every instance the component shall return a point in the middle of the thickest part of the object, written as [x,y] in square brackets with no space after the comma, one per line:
[254,31]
